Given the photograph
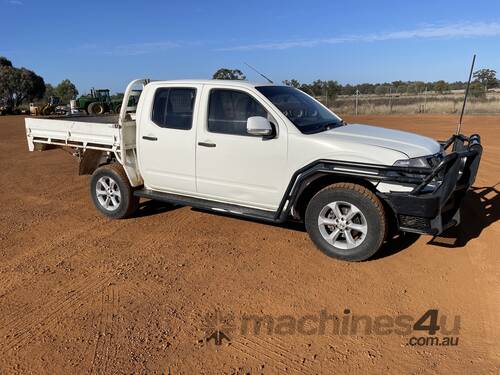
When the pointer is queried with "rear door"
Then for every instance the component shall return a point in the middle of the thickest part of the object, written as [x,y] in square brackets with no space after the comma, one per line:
[167,137]
[231,165]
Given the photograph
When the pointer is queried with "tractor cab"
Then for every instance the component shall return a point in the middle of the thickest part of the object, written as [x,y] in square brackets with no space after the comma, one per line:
[54,100]
[101,94]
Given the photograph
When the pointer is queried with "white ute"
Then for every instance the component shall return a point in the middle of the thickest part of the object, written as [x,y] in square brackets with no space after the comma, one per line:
[270,153]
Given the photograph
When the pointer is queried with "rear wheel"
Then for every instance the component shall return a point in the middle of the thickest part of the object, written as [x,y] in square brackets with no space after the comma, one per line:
[346,221]
[95,109]
[111,192]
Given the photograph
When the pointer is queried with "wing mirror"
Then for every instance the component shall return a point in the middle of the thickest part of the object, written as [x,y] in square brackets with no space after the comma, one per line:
[259,126]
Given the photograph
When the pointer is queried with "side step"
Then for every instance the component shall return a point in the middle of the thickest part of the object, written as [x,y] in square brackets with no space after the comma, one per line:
[204,204]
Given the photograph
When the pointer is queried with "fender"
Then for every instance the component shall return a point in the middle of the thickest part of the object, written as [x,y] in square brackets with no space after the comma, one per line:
[371,172]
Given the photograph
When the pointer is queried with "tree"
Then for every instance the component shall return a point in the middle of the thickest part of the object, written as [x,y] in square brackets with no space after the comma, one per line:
[366,88]
[19,85]
[307,88]
[318,87]
[477,89]
[382,89]
[487,77]
[441,86]
[420,86]
[292,83]
[232,74]
[66,90]
[117,96]
[49,91]
[333,88]
[5,61]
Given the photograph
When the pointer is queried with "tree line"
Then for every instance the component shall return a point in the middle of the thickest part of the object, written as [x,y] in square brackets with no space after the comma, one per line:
[19,86]
[484,79]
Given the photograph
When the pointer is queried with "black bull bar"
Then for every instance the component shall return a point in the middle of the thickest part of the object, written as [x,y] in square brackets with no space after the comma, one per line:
[432,212]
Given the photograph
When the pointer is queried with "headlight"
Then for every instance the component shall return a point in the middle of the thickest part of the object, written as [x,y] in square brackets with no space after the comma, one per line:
[420,162]
[429,161]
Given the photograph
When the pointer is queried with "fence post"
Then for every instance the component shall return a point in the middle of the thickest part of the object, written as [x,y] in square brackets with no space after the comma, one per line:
[357,95]
[425,99]
[390,99]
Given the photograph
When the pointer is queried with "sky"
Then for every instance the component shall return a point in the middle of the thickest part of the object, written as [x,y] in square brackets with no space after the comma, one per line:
[105,44]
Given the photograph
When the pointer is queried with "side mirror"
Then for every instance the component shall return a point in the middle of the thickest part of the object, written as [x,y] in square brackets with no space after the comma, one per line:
[259,126]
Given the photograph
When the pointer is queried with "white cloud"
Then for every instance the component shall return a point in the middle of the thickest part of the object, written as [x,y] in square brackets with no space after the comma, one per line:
[141,48]
[15,2]
[133,49]
[458,30]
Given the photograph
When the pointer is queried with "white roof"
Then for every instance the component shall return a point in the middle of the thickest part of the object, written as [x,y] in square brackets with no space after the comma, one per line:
[219,82]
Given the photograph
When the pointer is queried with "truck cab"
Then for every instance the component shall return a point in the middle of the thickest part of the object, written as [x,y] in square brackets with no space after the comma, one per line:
[271,153]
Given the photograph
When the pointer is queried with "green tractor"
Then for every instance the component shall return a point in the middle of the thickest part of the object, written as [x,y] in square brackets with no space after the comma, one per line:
[99,102]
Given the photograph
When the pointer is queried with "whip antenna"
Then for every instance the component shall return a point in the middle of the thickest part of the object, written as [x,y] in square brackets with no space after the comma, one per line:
[259,73]
[466,94]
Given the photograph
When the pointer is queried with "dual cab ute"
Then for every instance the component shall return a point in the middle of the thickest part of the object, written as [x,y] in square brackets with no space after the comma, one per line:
[270,153]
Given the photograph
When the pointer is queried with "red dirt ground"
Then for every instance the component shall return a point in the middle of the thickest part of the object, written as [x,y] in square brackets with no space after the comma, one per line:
[83,294]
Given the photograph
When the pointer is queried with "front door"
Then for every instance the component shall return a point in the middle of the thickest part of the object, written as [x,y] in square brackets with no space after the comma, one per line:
[231,165]
[167,137]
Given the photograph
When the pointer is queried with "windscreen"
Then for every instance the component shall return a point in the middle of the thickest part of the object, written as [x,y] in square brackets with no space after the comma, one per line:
[308,115]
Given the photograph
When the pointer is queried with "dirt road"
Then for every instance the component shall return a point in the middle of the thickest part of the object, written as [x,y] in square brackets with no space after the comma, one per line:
[82,294]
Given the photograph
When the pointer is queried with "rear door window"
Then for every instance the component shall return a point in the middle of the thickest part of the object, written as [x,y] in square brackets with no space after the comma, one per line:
[173,107]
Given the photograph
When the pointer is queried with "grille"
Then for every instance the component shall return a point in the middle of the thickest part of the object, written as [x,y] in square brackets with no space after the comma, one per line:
[414,222]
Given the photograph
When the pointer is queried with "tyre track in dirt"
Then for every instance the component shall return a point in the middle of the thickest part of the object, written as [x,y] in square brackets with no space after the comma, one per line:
[42,250]
[28,327]
[104,343]
[78,289]
[58,250]
[279,357]
[24,327]
[104,350]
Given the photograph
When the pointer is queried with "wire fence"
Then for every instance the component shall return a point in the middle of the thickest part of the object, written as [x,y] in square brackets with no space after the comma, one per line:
[425,102]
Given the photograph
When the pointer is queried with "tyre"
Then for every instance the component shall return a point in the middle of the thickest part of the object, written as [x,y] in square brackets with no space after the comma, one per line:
[95,109]
[111,192]
[46,110]
[118,109]
[346,221]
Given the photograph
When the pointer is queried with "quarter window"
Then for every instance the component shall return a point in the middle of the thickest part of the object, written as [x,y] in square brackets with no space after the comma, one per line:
[229,110]
[173,107]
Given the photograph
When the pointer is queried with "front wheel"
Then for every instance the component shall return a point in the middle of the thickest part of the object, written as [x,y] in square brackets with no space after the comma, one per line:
[346,221]
[111,192]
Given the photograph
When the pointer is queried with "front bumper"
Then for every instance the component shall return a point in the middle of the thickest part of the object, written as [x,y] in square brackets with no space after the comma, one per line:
[433,211]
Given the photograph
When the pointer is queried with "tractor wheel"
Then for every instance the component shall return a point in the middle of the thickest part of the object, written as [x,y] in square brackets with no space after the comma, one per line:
[95,109]
[45,111]
[118,109]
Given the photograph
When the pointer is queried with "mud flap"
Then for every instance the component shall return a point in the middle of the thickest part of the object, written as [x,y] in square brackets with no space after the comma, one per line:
[89,162]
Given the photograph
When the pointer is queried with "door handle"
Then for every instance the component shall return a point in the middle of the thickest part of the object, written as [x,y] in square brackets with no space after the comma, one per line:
[206,144]
[149,138]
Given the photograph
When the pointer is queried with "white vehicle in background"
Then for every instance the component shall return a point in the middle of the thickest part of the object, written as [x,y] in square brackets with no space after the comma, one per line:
[270,153]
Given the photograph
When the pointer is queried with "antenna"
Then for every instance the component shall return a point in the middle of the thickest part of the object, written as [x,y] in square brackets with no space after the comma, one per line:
[259,73]
[466,94]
